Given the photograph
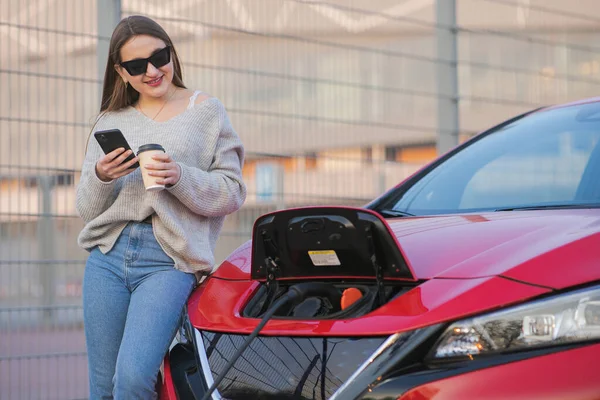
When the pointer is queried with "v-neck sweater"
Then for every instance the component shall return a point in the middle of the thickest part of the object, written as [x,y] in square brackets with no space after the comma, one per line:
[186,217]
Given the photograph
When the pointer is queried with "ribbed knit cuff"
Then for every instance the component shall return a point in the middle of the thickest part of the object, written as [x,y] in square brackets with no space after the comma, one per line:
[97,186]
[184,189]
[174,187]
[97,178]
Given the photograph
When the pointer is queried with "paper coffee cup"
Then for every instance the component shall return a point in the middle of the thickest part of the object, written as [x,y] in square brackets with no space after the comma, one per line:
[145,154]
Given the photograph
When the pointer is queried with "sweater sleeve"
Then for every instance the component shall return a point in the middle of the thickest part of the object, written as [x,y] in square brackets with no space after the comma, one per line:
[93,195]
[220,190]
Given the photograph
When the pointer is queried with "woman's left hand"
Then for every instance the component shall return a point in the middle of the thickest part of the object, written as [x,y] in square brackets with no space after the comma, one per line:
[164,168]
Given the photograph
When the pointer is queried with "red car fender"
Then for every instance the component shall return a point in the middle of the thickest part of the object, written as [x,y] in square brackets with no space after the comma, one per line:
[166,390]
[566,375]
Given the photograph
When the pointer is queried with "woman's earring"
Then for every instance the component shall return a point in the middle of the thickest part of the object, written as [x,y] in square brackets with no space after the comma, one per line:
[126,84]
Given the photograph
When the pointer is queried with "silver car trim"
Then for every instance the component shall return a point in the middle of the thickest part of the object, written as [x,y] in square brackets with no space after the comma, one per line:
[205,365]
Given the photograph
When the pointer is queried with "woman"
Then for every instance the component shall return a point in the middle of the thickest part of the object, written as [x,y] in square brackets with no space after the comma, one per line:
[147,249]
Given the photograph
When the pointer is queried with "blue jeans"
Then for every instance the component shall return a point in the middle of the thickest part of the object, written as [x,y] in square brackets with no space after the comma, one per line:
[133,299]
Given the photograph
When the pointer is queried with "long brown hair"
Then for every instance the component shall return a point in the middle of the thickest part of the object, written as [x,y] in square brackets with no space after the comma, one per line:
[115,95]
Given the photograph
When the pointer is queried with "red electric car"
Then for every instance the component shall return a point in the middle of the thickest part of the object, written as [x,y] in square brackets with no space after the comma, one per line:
[476,278]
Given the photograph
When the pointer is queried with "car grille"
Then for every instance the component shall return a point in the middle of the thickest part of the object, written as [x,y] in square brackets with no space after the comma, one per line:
[285,367]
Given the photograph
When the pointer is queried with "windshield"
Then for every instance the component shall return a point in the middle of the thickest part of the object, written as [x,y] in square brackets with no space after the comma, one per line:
[548,158]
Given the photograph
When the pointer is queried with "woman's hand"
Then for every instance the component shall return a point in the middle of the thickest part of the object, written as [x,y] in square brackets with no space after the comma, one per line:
[111,165]
[165,168]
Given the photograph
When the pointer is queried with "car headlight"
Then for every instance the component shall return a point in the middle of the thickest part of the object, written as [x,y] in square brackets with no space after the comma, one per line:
[563,319]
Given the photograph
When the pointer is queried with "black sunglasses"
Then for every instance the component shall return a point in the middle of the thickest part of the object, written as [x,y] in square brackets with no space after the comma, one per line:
[140,65]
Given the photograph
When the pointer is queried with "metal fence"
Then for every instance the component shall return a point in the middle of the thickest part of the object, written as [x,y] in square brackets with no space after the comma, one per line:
[335,101]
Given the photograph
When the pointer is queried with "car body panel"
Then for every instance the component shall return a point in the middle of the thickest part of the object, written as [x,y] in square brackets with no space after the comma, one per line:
[434,301]
[537,247]
[237,264]
[166,389]
[571,374]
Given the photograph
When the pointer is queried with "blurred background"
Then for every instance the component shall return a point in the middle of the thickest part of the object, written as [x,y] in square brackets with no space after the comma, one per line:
[335,100]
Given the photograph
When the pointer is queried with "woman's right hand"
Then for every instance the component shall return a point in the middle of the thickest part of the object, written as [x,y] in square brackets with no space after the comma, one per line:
[111,165]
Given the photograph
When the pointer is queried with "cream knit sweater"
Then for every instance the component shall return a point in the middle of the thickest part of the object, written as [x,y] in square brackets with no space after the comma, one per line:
[188,216]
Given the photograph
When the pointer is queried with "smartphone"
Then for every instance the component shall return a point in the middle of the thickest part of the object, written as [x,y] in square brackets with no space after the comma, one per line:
[111,140]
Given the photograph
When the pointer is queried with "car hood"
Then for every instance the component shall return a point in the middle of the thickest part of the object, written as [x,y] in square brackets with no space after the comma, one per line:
[464,265]
[551,248]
